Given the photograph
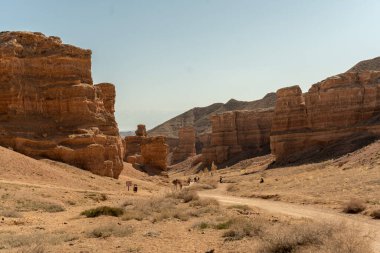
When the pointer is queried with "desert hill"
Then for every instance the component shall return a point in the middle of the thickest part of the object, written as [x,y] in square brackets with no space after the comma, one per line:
[199,117]
[371,64]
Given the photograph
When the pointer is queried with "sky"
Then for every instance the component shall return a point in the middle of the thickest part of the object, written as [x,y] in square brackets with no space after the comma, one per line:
[168,56]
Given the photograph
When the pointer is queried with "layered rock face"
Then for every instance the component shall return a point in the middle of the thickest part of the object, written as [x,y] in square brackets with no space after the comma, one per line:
[147,151]
[238,133]
[186,145]
[49,107]
[154,151]
[335,109]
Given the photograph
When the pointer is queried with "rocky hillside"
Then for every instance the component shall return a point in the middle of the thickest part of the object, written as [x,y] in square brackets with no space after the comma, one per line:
[372,64]
[199,117]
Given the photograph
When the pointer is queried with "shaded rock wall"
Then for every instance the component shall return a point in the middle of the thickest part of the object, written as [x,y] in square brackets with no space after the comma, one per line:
[186,145]
[154,151]
[50,108]
[337,108]
[238,134]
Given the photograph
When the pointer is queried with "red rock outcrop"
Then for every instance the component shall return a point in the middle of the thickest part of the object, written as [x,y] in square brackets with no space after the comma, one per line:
[238,133]
[141,130]
[186,145]
[50,108]
[154,151]
[146,151]
[333,110]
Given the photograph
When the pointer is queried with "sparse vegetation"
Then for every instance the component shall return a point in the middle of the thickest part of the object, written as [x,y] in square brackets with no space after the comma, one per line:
[12,240]
[111,230]
[354,206]
[316,237]
[103,210]
[25,205]
[241,227]
[10,214]
[174,205]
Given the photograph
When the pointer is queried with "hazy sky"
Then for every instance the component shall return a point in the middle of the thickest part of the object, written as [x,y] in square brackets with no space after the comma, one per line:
[167,56]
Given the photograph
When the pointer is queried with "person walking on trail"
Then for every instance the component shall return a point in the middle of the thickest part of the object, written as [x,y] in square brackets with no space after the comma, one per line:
[221,179]
[135,188]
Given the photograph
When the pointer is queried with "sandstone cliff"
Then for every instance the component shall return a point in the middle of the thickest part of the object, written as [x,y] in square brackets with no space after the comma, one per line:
[342,107]
[186,145]
[237,135]
[154,151]
[50,108]
[146,151]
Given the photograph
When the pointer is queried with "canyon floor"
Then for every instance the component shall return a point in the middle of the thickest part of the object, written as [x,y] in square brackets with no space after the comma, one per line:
[296,208]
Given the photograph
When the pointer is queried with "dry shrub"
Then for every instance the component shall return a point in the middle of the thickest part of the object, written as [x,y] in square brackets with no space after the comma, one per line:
[204,202]
[315,237]
[96,196]
[241,227]
[376,214]
[103,210]
[111,230]
[186,195]
[354,206]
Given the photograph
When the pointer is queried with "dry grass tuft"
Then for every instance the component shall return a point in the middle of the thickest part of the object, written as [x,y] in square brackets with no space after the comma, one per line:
[25,205]
[111,230]
[241,227]
[354,206]
[186,195]
[103,210]
[314,237]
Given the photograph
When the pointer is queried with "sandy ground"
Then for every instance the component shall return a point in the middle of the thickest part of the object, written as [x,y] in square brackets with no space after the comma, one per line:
[301,211]
[41,202]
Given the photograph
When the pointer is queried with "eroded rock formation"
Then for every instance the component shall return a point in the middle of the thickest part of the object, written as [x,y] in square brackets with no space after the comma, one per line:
[49,107]
[146,151]
[186,145]
[238,134]
[154,152]
[333,110]
[141,130]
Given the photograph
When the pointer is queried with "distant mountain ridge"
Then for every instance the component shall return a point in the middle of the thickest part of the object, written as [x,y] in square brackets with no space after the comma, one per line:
[199,117]
[371,64]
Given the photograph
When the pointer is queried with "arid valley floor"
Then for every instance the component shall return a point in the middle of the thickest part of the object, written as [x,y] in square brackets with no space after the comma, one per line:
[295,209]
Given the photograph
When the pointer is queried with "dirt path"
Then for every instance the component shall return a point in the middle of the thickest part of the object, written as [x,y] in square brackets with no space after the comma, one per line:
[300,211]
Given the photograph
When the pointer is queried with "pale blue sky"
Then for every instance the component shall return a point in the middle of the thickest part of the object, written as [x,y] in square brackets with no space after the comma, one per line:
[167,56]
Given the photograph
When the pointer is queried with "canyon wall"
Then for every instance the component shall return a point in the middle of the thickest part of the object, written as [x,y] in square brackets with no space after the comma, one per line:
[342,107]
[146,151]
[186,145]
[238,134]
[49,107]
[154,151]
